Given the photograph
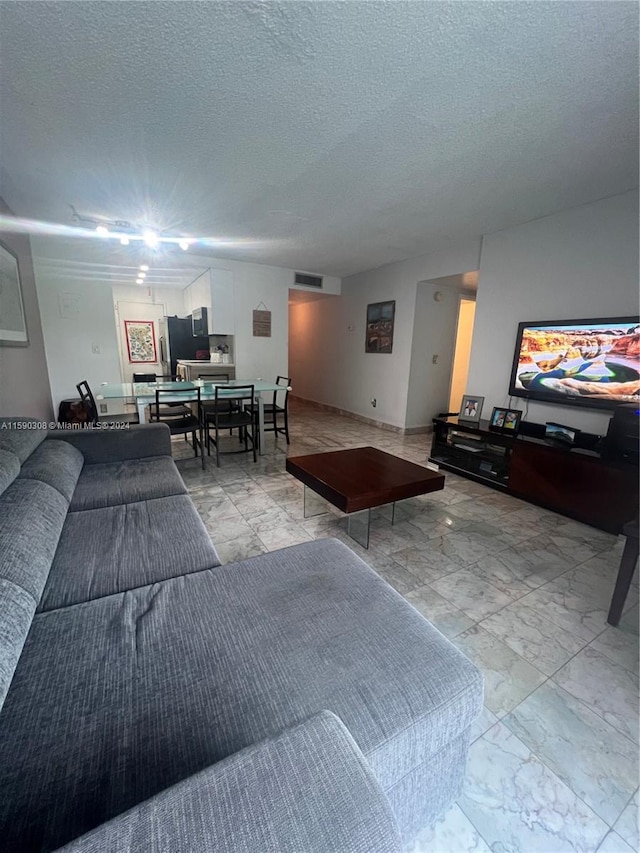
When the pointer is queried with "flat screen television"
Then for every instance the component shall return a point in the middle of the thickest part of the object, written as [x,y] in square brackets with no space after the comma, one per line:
[593,363]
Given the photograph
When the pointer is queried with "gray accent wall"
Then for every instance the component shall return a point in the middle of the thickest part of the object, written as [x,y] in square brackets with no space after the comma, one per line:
[24,378]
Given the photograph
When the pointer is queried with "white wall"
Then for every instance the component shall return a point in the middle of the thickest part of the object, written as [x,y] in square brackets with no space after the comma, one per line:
[24,379]
[77,318]
[581,262]
[329,364]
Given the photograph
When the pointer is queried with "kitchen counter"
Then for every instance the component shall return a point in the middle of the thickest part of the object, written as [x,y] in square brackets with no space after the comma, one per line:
[191,370]
[202,362]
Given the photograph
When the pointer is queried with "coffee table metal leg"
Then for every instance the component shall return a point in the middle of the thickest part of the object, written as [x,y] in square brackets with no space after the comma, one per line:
[358,525]
[313,503]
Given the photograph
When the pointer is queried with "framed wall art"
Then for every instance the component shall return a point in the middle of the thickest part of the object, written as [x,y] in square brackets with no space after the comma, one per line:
[380,320]
[13,323]
[141,341]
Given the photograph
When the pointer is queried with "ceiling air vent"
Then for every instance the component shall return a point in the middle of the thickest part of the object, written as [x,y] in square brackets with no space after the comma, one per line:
[308,280]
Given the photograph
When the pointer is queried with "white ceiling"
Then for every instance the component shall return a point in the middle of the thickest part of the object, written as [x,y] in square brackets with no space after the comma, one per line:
[332,136]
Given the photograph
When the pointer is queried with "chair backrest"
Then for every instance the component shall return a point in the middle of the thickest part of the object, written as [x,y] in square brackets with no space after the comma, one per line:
[179,398]
[88,400]
[246,393]
[144,377]
[285,381]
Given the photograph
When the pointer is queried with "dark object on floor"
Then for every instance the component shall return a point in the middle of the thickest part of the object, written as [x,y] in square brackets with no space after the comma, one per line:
[73,411]
[626,571]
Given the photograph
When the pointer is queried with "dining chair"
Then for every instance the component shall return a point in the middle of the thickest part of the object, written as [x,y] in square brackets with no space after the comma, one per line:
[272,411]
[183,424]
[230,413]
[89,402]
[168,408]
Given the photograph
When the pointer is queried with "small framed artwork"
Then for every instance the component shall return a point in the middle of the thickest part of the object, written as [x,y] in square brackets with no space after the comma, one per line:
[141,341]
[505,420]
[471,408]
[380,319]
[13,325]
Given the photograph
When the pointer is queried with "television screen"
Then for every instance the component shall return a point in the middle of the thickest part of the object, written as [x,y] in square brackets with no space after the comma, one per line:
[593,363]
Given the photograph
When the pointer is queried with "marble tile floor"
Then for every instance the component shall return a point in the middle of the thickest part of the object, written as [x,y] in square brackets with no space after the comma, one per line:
[522,591]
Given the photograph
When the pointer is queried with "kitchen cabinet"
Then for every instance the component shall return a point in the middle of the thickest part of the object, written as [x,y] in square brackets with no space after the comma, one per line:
[222,317]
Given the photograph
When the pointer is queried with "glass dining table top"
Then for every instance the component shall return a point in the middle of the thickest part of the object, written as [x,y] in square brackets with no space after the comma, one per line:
[147,390]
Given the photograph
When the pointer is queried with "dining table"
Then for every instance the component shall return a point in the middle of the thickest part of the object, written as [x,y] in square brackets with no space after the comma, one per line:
[144,393]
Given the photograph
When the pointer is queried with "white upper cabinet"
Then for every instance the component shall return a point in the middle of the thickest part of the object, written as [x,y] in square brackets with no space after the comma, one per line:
[222,313]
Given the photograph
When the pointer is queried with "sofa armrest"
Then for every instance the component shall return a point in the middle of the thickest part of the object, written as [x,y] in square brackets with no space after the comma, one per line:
[115,445]
[308,789]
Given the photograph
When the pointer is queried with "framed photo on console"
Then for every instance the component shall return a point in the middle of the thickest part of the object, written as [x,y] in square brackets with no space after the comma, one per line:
[471,408]
[505,420]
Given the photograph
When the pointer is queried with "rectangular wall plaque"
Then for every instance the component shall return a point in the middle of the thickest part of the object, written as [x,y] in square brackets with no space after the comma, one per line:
[262,324]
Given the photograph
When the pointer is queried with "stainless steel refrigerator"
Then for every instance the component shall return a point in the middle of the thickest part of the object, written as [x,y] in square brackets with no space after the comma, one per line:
[176,340]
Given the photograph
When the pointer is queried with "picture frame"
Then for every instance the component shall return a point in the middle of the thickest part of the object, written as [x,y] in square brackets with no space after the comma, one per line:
[380,323]
[13,321]
[471,408]
[505,420]
[141,341]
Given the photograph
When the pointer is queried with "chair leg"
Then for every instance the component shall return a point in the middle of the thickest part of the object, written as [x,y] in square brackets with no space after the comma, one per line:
[623,580]
[286,425]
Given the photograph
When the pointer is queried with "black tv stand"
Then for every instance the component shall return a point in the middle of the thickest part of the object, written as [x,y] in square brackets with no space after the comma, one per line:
[575,481]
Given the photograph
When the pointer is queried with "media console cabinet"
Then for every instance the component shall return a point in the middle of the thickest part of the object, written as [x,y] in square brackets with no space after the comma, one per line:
[576,482]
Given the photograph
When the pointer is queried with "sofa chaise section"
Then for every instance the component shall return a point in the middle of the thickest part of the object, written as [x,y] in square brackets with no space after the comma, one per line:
[308,789]
[140,691]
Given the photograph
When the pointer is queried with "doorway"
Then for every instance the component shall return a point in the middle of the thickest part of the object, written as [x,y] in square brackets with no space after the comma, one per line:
[462,351]
[137,311]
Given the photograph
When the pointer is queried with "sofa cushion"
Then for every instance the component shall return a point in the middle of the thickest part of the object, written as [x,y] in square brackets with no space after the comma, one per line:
[117,548]
[117,699]
[21,435]
[31,519]
[113,483]
[16,612]
[9,468]
[57,463]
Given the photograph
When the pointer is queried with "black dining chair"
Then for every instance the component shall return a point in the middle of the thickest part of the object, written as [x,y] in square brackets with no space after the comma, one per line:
[272,411]
[183,424]
[168,409]
[89,402]
[230,413]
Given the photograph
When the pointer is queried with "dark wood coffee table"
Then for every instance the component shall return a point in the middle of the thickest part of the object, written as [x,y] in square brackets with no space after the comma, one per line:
[362,478]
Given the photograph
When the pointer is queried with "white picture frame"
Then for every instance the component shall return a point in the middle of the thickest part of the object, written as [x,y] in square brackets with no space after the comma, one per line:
[13,322]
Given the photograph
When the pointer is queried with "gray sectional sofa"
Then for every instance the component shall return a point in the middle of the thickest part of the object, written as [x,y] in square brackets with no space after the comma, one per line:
[152,699]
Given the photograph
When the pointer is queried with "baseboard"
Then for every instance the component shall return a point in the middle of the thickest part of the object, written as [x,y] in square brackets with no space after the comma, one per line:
[362,419]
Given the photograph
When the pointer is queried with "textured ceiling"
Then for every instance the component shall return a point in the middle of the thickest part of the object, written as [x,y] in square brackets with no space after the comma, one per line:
[335,136]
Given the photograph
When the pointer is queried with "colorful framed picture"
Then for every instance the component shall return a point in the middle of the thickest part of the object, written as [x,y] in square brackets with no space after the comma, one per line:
[505,420]
[13,324]
[471,408]
[141,341]
[380,320]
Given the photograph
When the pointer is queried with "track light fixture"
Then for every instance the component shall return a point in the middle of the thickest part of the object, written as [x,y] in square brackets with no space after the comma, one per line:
[127,232]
